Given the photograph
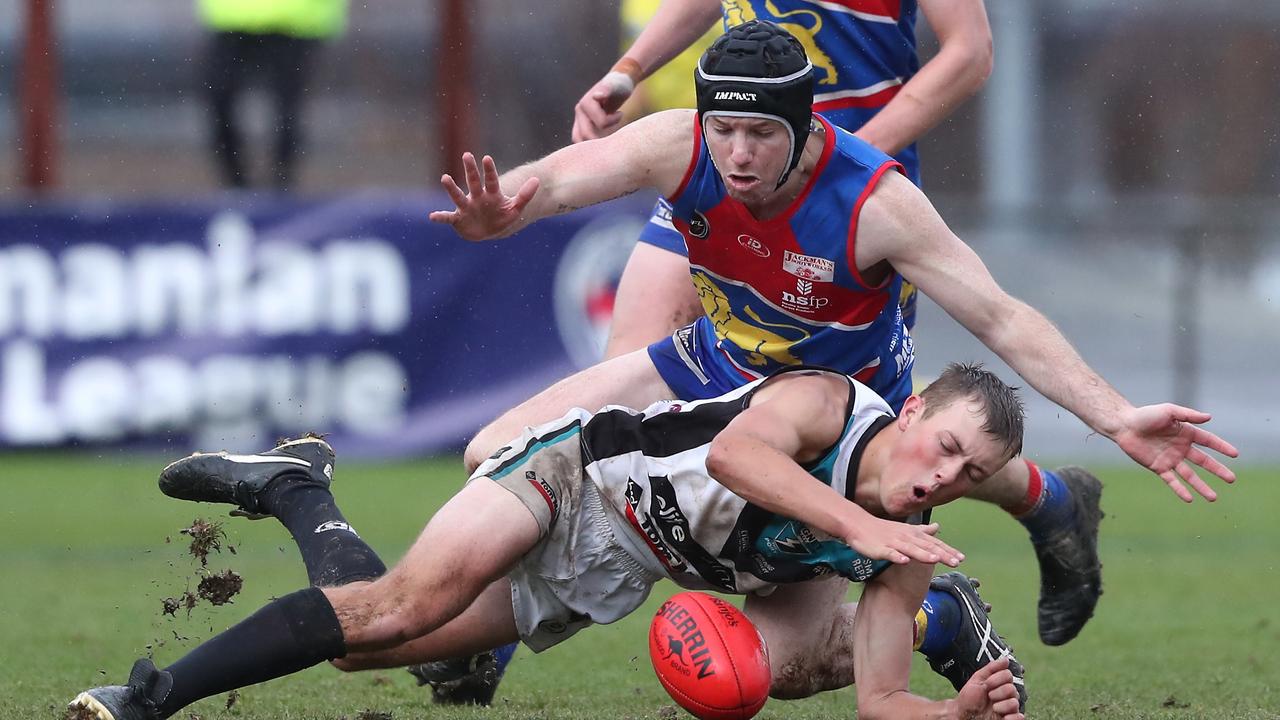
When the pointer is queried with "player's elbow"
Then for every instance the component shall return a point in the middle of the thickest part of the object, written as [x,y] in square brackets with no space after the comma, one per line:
[978,60]
[722,460]
[973,57]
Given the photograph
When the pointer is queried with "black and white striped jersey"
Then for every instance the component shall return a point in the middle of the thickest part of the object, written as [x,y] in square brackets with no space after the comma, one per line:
[650,467]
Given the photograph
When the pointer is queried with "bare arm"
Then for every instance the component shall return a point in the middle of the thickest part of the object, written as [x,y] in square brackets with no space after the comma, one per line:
[943,84]
[673,28]
[652,152]
[790,421]
[882,658]
[900,226]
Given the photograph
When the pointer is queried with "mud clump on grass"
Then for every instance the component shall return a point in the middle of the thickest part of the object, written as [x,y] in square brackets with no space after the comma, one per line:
[206,537]
[232,698]
[79,713]
[374,715]
[186,601]
[218,589]
[169,606]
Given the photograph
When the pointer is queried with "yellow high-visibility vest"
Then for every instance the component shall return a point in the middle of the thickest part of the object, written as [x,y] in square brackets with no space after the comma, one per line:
[298,18]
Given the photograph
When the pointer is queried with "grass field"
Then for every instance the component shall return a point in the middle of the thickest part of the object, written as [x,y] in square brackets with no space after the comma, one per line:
[1186,629]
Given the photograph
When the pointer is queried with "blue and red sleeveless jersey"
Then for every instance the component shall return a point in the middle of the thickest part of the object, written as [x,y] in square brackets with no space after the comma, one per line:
[862,51]
[786,291]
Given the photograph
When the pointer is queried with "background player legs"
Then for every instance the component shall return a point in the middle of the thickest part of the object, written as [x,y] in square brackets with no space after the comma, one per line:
[655,298]
[224,81]
[807,655]
[288,70]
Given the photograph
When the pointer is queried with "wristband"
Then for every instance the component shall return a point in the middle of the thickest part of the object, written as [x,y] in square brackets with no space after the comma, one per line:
[630,68]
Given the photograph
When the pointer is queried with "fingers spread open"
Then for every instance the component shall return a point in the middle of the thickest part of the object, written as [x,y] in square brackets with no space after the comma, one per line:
[456,194]
[1211,464]
[1185,471]
[491,184]
[1213,442]
[1171,479]
[472,172]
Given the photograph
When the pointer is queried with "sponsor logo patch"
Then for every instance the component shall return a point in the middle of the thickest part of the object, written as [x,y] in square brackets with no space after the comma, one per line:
[735,95]
[803,300]
[690,648]
[548,494]
[808,266]
[698,225]
[754,245]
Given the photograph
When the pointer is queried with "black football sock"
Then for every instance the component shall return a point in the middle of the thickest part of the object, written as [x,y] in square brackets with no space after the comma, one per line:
[288,634]
[332,551]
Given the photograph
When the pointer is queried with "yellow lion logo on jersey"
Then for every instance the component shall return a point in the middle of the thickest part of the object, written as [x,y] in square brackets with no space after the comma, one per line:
[761,344]
[737,12]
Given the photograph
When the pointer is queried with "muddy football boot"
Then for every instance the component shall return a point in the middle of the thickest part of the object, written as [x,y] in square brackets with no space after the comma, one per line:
[461,681]
[976,642]
[1070,572]
[239,480]
[135,700]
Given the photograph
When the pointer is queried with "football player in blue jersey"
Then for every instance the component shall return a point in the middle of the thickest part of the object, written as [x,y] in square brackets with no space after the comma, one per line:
[573,522]
[799,236]
[870,82]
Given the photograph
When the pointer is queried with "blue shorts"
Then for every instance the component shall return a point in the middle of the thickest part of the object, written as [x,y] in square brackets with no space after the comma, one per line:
[695,369]
[659,231]
[686,363]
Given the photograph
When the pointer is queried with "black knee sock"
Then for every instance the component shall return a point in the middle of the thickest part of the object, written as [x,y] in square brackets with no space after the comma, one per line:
[333,553]
[288,634]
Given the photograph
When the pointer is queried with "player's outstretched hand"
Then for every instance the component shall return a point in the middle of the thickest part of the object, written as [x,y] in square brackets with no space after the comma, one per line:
[900,543]
[483,211]
[989,694]
[1165,440]
[596,114]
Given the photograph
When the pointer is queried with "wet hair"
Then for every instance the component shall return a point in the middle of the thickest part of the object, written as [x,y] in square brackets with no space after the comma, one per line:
[1002,409]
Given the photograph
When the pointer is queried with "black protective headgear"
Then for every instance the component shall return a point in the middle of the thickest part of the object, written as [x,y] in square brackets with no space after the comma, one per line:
[757,69]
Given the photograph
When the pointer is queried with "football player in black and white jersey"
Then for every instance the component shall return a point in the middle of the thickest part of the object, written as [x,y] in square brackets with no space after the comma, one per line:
[783,490]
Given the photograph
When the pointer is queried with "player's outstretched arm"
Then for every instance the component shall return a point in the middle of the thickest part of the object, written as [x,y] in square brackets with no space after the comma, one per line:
[898,224]
[792,420]
[652,152]
[952,76]
[674,27]
[882,659]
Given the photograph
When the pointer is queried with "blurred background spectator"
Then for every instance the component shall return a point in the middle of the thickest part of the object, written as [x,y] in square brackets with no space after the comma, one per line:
[270,40]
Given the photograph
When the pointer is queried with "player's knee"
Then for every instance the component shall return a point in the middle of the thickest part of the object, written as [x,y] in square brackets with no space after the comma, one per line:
[478,450]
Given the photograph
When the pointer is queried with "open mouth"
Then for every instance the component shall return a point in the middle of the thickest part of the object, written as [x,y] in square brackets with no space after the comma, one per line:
[919,492]
[742,182]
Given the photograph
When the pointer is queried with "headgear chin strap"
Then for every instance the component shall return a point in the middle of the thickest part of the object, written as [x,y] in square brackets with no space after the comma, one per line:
[759,70]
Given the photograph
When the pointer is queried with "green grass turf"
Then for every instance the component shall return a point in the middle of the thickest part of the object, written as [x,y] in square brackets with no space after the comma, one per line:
[88,548]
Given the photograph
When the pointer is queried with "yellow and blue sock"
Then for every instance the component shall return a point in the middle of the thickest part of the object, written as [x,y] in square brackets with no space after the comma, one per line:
[937,622]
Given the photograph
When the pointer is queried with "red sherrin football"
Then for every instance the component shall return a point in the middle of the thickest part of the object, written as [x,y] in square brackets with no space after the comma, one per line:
[709,657]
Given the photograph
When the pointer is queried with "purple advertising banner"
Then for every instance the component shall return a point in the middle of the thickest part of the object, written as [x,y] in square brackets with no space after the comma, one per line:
[216,325]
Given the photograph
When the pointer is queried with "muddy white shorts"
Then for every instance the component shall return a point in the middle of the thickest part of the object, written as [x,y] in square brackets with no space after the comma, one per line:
[578,574]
